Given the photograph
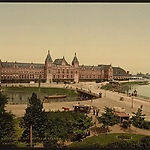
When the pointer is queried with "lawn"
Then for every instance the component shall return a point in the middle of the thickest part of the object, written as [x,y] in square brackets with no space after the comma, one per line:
[103,140]
[18,132]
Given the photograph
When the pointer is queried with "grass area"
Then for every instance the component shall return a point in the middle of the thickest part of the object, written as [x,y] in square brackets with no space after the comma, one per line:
[18,132]
[103,140]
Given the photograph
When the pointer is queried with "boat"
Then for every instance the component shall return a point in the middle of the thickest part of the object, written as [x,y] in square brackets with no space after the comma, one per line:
[55,96]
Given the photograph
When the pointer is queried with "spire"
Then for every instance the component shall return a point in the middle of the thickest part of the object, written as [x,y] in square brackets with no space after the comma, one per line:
[75,60]
[48,58]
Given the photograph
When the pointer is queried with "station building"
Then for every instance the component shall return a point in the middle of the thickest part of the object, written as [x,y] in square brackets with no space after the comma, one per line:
[58,70]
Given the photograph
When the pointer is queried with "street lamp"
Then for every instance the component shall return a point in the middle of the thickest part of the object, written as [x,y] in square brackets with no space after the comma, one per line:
[132,102]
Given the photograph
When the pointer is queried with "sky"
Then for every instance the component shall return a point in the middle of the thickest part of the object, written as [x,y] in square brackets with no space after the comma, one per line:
[99,33]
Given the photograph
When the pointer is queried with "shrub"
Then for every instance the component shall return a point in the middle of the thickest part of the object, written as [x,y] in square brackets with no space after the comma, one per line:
[146,125]
[126,124]
[124,144]
[145,141]
[118,144]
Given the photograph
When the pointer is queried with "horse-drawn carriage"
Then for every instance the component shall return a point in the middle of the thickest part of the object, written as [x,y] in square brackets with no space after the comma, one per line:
[82,108]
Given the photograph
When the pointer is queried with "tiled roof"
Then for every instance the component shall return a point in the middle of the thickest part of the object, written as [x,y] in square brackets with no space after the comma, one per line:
[59,61]
[104,67]
[99,67]
[22,65]
[87,67]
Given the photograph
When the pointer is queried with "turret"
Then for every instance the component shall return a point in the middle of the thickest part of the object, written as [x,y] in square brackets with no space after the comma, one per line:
[75,64]
[75,61]
[48,58]
[48,68]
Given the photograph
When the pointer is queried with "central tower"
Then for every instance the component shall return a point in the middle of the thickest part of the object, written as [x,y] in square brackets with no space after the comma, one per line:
[48,68]
[75,64]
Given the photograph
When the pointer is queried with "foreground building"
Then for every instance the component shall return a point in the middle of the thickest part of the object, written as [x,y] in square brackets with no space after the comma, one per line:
[58,70]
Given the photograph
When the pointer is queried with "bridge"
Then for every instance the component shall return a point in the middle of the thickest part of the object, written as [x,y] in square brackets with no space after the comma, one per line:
[84,94]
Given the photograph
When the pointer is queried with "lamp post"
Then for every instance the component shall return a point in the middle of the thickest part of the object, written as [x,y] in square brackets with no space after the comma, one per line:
[132,102]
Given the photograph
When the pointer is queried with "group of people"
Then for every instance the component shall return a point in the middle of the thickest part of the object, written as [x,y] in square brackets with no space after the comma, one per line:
[134,93]
[95,111]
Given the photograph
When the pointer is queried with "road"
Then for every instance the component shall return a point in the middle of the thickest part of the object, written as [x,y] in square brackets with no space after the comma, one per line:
[109,99]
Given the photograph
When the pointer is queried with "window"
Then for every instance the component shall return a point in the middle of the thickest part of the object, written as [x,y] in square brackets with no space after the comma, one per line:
[63,71]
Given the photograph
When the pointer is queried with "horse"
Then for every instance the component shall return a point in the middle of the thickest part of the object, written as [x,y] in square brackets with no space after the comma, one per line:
[65,108]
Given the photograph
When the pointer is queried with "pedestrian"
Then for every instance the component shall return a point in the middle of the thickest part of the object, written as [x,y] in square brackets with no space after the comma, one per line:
[97,112]
[94,111]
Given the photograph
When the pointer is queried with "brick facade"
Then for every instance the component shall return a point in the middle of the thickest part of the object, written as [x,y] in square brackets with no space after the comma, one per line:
[53,71]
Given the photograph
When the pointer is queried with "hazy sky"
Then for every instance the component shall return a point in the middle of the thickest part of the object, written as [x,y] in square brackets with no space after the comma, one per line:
[100,33]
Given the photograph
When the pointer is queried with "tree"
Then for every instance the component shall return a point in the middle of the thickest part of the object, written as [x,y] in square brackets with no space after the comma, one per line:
[108,118]
[138,118]
[35,116]
[64,126]
[6,123]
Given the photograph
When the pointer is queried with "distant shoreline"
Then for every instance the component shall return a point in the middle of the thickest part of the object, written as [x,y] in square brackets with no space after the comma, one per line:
[125,84]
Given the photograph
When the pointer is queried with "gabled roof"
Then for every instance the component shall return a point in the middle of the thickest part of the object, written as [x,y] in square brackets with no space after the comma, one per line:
[57,61]
[60,61]
[86,67]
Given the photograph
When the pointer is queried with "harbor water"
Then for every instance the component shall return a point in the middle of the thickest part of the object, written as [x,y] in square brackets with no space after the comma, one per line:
[142,90]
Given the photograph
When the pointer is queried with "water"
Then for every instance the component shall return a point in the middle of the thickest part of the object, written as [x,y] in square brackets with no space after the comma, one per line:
[15,97]
[142,90]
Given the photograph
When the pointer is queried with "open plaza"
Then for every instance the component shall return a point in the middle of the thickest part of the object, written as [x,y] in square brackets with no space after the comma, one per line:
[109,99]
